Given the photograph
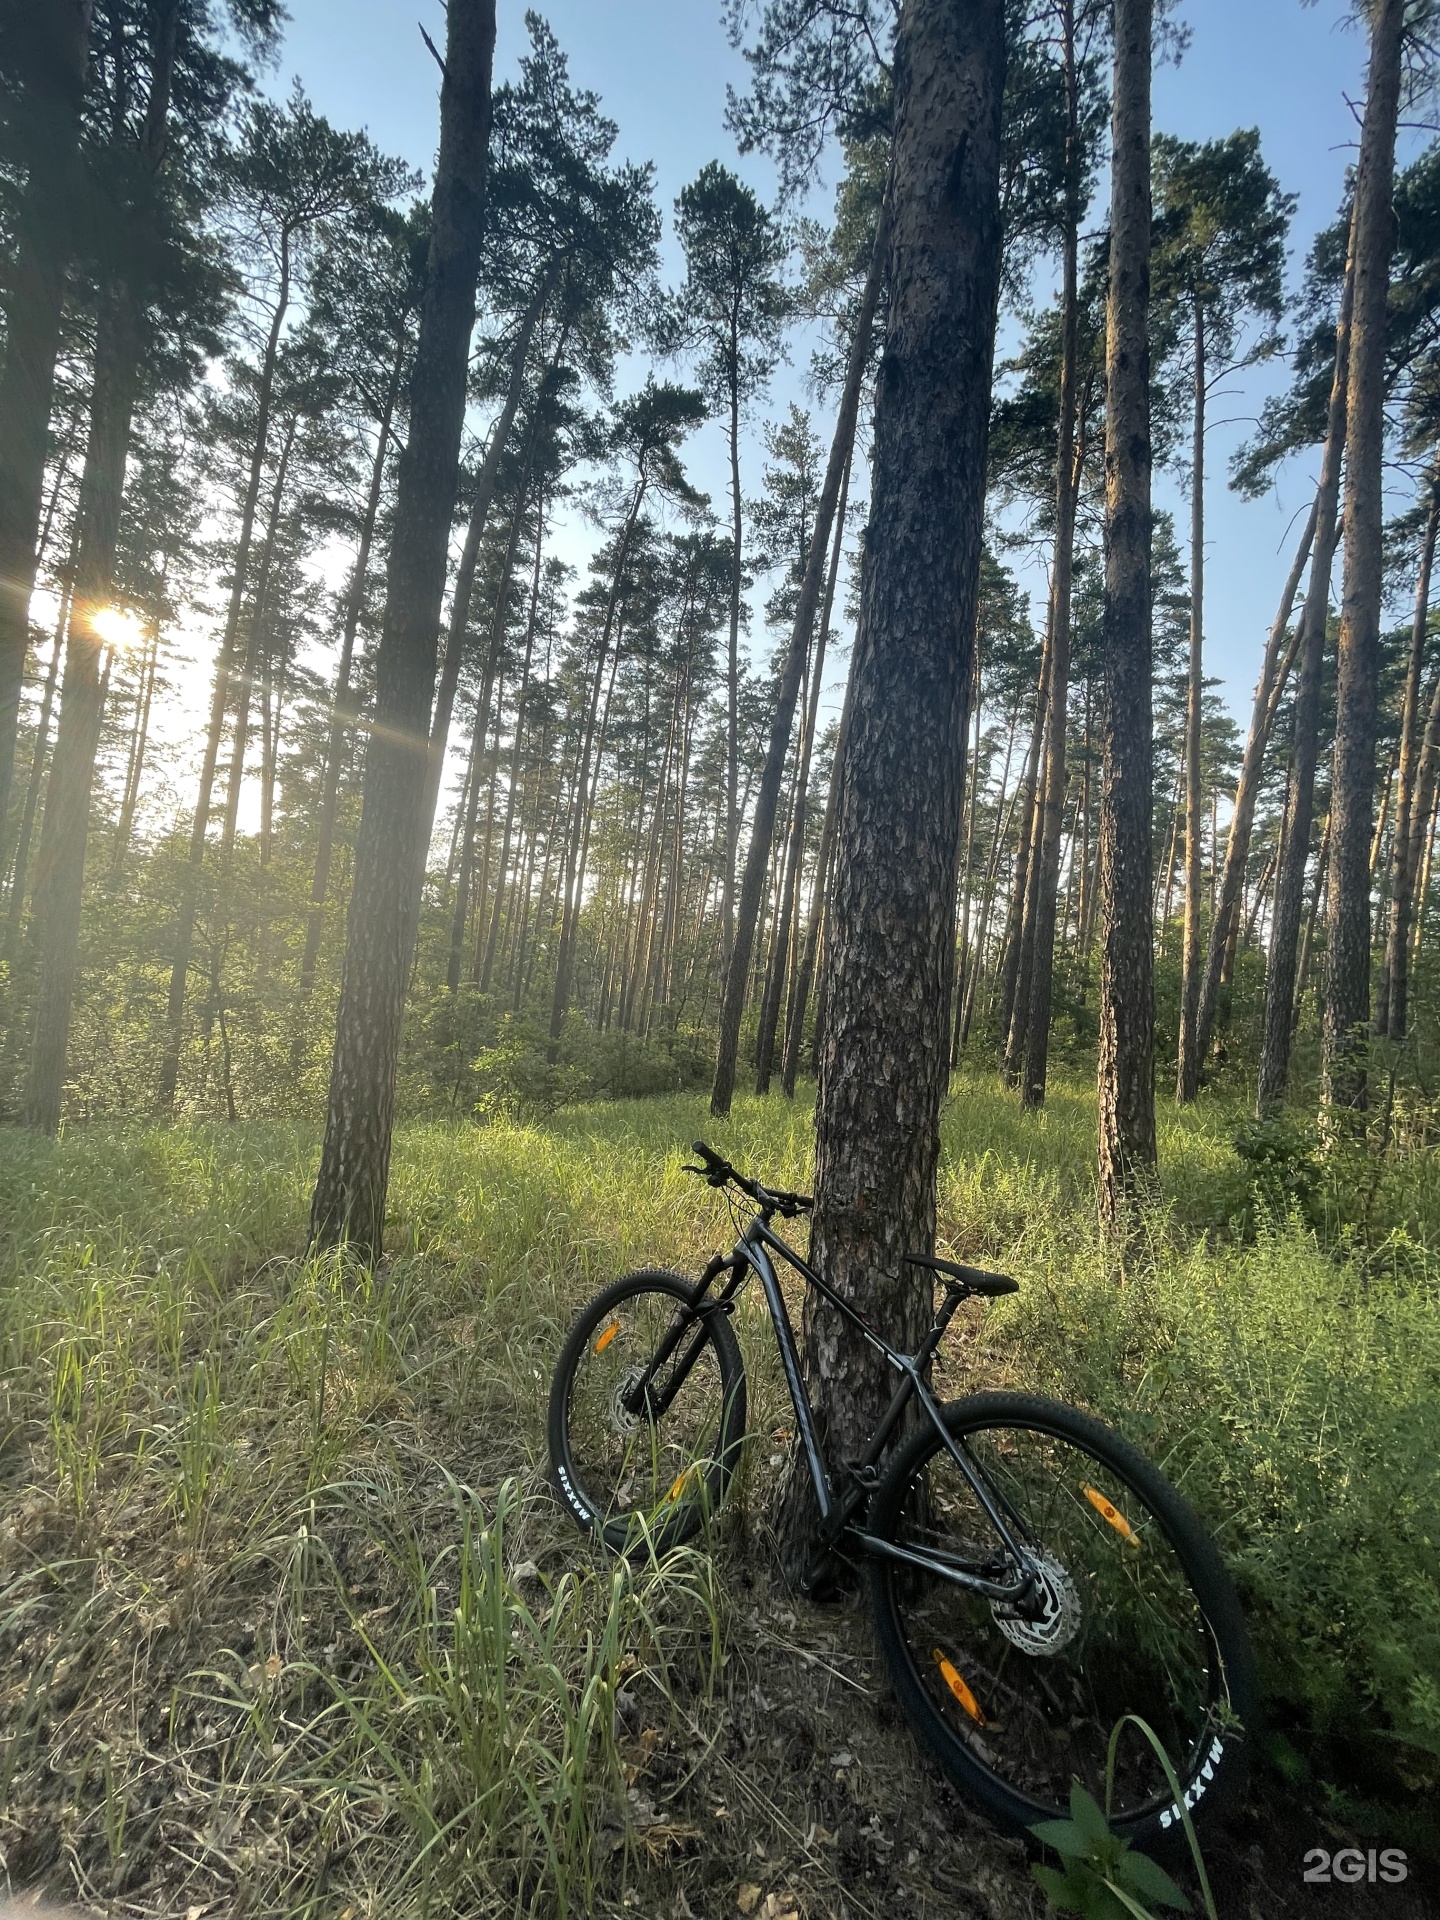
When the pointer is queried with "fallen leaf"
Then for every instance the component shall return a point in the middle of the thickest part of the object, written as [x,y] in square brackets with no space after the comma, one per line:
[747,1899]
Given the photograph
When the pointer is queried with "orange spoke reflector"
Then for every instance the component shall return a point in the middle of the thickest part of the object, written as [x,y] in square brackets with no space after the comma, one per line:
[951,1677]
[680,1479]
[1108,1511]
[607,1336]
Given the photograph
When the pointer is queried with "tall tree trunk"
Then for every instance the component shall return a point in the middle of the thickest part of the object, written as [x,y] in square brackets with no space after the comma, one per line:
[119,343]
[1280,974]
[1347,972]
[573,879]
[140,736]
[1042,960]
[1187,1070]
[256,643]
[1391,1008]
[50,44]
[739,949]
[470,552]
[60,877]
[795,852]
[20,869]
[220,698]
[349,1200]
[1126,1075]
[343,712]
[732,696]
[819,896]
[1274,673]
[1027,797]
[891,950]
[485,969]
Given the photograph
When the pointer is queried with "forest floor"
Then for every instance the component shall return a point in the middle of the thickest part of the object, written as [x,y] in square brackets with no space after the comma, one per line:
[290,1625]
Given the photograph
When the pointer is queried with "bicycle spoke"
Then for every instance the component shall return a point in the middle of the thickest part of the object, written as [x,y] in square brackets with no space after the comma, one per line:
[1118,1629]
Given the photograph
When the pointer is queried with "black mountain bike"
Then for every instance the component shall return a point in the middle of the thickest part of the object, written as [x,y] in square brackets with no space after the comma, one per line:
[1034,1579]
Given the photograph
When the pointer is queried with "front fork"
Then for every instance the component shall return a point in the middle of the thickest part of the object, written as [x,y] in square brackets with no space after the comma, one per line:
[639,1399]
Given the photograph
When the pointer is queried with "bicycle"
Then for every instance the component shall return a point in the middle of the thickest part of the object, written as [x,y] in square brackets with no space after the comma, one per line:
[1033,1578]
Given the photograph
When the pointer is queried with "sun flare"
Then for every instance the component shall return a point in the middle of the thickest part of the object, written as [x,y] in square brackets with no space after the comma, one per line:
[118,628]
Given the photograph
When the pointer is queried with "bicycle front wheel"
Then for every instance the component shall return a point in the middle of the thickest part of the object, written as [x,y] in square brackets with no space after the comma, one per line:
[647,1413]
[1133,1615]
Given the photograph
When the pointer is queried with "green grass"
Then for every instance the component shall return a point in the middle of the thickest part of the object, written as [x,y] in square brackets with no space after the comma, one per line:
[285,1605]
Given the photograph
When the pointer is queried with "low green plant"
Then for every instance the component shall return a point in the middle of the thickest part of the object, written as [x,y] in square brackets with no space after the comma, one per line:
[1102,1876]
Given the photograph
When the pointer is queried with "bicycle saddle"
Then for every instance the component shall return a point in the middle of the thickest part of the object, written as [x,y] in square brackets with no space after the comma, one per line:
[973,1279]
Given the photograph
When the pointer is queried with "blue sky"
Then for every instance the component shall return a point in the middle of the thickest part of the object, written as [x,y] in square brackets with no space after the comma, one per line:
[661,66]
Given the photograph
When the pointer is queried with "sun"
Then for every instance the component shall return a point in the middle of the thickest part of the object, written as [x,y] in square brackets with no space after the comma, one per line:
[118,628]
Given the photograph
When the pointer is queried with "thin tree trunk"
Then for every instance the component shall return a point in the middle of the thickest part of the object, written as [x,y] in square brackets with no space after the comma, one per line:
[739,948]
[49,50]
[1391,1008]
[1347,971]
[824,863]
[343,712]
[1281,993]
[139,741]
[487,964]
[891,950]
[1187,1071]
[1067,479]
[1126,1076]
[1307,942]
[470,553]
[1028,793]
[60,877]
[795,855]
[732,696]
[1274,673]
[20,870]
[220,700]
[349,1200]
[579,833]
[255,645]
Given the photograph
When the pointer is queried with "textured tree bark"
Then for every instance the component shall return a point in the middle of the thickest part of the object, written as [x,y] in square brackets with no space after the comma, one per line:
[1347,974]
[349,1201]
[891,947]
[1392,992]
[741,945]
[1274,672]
[51,41]
[1187,1070]
[1126,1076]
[1042,940]
[60,875]
[1280,975]
[343,712]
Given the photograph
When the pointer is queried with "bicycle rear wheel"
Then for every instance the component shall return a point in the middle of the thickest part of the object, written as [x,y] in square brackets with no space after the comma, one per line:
[638,1452]
[1136,1616]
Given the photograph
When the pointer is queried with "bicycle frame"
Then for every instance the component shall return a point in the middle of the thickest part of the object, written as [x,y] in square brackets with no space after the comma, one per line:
[753,1252]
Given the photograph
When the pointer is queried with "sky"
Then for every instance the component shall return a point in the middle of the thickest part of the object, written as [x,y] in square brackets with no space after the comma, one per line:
[661,68]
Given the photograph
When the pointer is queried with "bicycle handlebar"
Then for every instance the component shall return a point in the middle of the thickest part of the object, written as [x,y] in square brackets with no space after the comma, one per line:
[718,1172]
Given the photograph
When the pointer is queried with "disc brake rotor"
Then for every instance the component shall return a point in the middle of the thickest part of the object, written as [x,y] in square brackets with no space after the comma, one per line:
[1051,1630]
[622,1420]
